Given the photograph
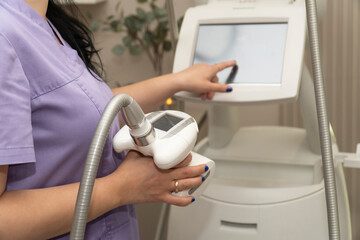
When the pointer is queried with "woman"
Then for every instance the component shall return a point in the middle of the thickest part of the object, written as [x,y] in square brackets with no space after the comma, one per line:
[51,99]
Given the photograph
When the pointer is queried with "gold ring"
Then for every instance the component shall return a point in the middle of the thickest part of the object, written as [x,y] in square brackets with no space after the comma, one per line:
[176,186]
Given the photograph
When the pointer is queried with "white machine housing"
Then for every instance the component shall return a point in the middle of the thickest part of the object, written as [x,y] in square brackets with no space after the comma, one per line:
[295,18]
[269,182]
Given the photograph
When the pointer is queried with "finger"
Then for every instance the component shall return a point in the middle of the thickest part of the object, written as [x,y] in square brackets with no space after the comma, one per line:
[203,96]
[185,162]
[134,154]
[221,66]
[186,184]
[178,201]
[218,87]
[210,95]
[188,172]
[214,79]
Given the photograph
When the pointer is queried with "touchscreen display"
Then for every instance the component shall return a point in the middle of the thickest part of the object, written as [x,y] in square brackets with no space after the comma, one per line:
[166,122]
[257,48]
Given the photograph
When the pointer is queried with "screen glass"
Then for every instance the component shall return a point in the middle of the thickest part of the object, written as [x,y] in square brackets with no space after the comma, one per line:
[166,122]
[257,48]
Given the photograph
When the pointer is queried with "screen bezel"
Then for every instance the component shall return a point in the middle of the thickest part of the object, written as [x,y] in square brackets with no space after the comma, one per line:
[248,93]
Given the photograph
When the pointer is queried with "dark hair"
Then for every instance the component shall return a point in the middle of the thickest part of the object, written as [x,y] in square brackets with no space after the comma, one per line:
[66,18]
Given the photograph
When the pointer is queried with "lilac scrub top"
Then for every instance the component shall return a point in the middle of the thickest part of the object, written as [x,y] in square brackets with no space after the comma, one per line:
[49,108]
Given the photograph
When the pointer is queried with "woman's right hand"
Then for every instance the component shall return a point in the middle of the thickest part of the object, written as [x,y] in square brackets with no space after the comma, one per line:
[142,181]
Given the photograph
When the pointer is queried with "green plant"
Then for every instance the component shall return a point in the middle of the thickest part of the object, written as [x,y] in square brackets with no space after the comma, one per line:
[145,31]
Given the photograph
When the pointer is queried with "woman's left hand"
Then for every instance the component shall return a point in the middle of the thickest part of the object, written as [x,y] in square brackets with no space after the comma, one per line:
[201,78]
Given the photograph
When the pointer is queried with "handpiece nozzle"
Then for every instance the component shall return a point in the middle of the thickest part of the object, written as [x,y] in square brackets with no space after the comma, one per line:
[141,130]
[133,115]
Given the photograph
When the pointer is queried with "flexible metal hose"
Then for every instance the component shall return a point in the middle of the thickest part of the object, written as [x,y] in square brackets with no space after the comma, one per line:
[325,140]
[92,164]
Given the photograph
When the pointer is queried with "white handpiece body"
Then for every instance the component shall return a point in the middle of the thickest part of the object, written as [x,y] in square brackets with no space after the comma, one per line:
[174,137]
[198,159]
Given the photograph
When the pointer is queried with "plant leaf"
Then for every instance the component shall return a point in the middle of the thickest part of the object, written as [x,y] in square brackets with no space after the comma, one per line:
[149,17]
[118,50]
[138,24]
[94,25]
[160,12]
[148,36]
[117,6]
[141,13]
[167,46]
[131,24]
[135,50]
[89,15]
[119,27]
[163,19]
[114,25]
[127,40]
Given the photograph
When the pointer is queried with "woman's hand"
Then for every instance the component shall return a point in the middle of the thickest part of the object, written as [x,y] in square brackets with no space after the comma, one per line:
[201,78]
[145,182]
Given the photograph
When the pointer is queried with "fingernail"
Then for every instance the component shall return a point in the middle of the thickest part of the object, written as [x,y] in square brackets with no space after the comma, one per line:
[229,89]
[193,200]
[203,179]
[206,168]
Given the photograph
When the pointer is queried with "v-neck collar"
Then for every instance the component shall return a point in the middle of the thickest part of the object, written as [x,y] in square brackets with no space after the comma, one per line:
[56,33]
[27,10]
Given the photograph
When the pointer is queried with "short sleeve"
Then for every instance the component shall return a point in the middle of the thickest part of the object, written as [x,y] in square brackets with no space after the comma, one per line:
[16,141]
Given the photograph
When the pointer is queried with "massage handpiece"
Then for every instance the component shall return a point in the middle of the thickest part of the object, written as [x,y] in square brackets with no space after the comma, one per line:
[167,136]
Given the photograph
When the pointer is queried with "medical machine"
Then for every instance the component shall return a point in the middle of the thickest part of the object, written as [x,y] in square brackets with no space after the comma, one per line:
[271,182]
[167,136]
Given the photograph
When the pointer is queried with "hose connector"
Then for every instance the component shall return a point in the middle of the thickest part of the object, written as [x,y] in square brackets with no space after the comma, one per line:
[141,130]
